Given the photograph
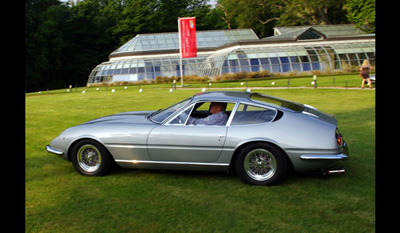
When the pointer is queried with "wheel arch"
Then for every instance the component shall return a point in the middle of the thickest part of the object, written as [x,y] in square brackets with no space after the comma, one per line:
[73,143]
[247,143]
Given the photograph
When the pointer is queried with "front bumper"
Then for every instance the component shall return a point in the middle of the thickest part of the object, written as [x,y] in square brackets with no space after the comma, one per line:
[54,151]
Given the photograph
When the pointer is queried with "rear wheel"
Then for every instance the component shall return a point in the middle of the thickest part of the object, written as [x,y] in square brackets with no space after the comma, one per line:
[261,164]
[90,158]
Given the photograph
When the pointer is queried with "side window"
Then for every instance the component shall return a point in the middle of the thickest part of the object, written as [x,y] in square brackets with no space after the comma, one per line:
[200,114]
[181,118]
[248,114]
[205,107]
[203,114]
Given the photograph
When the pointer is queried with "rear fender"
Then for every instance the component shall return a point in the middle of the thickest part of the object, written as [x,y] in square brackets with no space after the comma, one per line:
[256,140]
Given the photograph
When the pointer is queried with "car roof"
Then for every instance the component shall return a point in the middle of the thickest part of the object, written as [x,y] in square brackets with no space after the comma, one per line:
[222,96]
[244,97]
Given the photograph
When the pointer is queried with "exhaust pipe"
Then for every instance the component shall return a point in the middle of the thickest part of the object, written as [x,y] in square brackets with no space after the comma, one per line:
[333,171]
[336,171]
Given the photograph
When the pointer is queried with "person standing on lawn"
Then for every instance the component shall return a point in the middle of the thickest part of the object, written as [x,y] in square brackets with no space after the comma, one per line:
[364,73]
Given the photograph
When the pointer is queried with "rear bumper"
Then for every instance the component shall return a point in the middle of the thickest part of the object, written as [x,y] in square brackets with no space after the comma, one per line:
[344,149]
[327,161]
[54,151]
[331,160]
[324,157]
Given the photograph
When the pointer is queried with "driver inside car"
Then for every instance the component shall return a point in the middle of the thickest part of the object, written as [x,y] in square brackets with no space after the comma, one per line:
[217,117]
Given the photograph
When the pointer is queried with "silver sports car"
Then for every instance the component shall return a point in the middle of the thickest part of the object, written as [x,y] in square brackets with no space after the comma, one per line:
[257,136]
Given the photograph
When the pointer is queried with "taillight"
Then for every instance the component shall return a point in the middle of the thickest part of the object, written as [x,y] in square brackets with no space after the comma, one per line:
[338,136]
[339,140]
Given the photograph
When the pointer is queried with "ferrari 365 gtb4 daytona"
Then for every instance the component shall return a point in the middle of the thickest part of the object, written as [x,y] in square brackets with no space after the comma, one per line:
[258,136]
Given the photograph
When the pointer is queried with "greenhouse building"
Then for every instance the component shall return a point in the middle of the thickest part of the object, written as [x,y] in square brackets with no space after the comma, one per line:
[297,48]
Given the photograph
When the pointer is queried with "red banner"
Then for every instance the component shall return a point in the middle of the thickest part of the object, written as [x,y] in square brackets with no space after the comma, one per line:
[187,30]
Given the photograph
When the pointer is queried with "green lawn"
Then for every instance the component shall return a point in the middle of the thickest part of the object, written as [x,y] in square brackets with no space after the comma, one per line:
[340,81]
[58,199]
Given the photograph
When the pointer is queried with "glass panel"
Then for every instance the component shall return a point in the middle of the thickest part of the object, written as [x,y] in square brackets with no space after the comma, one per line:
[264,60]
[233,63]
[275,65]
[161,115]
[285,64]
[249,114]
[277,102]
[296,66]
[353,59]
[181,118]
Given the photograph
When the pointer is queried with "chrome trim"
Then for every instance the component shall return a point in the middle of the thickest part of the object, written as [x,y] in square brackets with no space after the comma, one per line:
[309,114]
[324,157]
[233,112]
[173,147]
[53,151]
[170,162]
[309,106]
[126,146]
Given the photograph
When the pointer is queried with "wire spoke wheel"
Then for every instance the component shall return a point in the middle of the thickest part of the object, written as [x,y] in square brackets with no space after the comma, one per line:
[89,158]
[260,164]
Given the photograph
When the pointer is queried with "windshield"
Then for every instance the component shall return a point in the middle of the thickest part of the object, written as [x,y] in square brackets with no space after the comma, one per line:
[163,114]
[277,102]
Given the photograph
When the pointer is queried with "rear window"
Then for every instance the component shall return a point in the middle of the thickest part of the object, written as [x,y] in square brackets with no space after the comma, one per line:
[277,102]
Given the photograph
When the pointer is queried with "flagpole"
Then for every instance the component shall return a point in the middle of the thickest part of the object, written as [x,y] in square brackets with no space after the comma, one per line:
[180,51]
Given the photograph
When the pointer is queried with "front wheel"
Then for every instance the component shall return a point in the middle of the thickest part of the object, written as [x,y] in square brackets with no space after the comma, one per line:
[261,164]
[90,158]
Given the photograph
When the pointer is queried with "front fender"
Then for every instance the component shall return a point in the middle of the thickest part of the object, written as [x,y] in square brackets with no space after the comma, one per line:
[68,138]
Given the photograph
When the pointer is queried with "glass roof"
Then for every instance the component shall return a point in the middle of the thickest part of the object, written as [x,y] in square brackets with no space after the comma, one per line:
[335,55]
[170,40]
[304,33]
[258,55]
[328,30]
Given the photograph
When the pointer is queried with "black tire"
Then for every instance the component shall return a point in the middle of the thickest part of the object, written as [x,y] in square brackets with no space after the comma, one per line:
[90,158]
[261,164]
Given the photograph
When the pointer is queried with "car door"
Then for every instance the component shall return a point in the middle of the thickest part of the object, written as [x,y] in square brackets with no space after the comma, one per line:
[177,142]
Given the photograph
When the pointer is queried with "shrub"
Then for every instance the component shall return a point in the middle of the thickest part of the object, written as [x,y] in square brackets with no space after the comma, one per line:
[316,72]
[240,75]
[163,79]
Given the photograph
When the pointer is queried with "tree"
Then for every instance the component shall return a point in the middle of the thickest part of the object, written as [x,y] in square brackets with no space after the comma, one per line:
[149,16]
[362,14]
[313,12]
[263,15]
[90,38]
[65,42]
[44,40]
[260,15]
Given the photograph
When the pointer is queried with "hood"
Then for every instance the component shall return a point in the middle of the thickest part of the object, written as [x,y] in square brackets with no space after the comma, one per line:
[137,117]
[323,116]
